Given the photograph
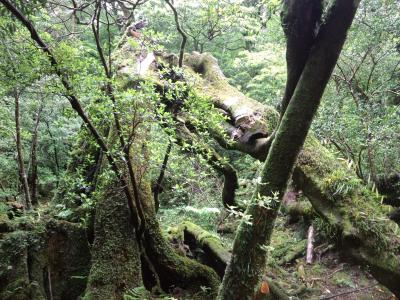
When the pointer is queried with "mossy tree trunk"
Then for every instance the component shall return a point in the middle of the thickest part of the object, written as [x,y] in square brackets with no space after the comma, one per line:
[249,254]
[118,256]
[171,268]
[116,263]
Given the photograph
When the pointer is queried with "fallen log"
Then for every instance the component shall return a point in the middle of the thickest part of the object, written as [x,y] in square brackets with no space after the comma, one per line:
[344,202]
[196,237]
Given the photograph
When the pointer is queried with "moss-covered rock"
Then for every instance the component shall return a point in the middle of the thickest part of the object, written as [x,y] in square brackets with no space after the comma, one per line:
[48,258]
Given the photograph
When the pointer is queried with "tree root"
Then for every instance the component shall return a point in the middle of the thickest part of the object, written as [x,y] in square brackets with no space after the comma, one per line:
[217,257]
[172,269]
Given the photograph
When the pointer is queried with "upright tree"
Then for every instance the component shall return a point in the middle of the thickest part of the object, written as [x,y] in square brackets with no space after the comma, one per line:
[249,254]
[20,153]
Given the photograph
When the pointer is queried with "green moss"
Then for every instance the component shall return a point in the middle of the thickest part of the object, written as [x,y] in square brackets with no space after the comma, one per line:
[172,269]
[343,280]
[15,280]
[318,269]
[115,254]
[48,245]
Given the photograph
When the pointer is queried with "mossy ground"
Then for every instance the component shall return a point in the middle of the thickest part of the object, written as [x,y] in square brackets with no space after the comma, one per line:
[329,275]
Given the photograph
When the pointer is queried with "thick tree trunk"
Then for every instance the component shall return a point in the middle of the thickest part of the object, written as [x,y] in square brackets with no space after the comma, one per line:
[116,265]
[46,264]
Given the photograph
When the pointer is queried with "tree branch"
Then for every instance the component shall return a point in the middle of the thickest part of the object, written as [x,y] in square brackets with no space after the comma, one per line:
[181,32]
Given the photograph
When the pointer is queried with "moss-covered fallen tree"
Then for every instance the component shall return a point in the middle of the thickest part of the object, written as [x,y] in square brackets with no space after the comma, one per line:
[347,206]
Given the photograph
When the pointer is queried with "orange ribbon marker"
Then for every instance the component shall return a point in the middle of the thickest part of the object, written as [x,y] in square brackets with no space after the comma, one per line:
[264,287]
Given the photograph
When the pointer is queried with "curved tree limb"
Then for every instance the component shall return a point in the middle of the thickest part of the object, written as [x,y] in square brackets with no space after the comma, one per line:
[215,160]
[181,32]
[335,192]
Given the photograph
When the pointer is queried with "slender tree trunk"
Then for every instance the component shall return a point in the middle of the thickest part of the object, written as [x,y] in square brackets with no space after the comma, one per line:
[371,163]
[248,261]
[33,176]
[160,178]
[20,154]
[180,30]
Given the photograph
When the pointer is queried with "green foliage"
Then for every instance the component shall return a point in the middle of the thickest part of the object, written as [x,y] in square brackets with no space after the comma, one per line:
[359,116]
[339,184]
[263,74]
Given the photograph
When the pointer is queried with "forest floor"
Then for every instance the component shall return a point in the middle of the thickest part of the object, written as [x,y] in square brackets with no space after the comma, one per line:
[328,277]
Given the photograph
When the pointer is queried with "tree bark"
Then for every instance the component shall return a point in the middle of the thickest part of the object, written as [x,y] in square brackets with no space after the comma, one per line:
[115,266]
[310,245]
